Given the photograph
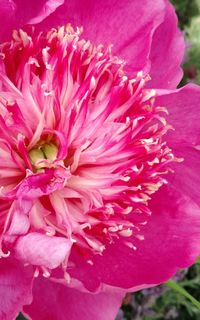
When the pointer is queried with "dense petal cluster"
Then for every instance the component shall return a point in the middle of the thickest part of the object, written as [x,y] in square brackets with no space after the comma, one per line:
[83,148]
[99,156]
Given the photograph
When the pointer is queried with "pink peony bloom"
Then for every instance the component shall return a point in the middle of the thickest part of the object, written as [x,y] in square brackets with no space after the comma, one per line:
[99,184]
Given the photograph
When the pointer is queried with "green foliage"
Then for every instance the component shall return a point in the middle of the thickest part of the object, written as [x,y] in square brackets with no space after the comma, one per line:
[188,12]
[20,317]
[193,36]
[164,303]
[186,9]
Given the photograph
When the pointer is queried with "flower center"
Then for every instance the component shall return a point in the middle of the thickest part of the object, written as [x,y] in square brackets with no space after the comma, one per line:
[45,151]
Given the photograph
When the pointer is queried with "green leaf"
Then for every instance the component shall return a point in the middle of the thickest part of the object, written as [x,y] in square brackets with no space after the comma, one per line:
[198,260]
[175,286]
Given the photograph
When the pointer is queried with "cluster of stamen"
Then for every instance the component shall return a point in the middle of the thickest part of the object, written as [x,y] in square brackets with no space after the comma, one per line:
[110,156]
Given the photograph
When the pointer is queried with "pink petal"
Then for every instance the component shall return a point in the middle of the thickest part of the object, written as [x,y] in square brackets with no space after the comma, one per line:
[186,177]
[136,29]
[184,112]
[39,184]
[15,14]
[61,303]
[128,25]
[37,11]
[42,250]
[183,105]
[15,288]
[169,244]
[7,15]
[19,222]
[167,52]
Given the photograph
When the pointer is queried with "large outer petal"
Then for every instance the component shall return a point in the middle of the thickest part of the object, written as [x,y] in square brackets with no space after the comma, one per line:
[144,33]
[16,13]
[167,51]
[171,241]
[184,114]
[15,288]
[54,301]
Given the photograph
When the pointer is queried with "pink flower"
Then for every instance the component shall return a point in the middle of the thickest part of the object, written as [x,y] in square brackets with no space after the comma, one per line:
[99,186]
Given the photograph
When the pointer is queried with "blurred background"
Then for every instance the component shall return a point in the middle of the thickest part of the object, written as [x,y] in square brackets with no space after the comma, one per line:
[162,302]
